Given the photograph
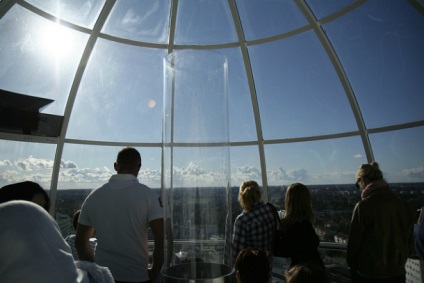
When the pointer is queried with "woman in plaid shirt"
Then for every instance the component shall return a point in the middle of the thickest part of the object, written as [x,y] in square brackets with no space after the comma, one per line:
[255,226]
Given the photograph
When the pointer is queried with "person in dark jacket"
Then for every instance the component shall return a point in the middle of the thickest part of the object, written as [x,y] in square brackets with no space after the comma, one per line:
[419,235]
[300,239]
[381,230]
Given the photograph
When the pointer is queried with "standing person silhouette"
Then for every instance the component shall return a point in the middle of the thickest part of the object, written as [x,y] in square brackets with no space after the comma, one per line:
[120,212]
[255,226]
[381,231]
[300,239]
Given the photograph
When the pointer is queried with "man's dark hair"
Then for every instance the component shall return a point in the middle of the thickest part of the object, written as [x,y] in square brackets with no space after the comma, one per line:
[128,158]
[252,266]
[23,191]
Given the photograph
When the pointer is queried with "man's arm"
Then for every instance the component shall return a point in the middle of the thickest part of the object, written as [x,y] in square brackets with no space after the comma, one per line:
[157,227]
[82,242]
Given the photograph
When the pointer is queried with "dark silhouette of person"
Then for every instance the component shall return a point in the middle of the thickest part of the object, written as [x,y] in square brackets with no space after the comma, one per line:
[27,190]
[381,231]
[252,266]
[120,212]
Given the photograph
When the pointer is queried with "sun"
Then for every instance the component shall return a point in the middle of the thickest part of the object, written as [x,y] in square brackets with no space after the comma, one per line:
[56,40]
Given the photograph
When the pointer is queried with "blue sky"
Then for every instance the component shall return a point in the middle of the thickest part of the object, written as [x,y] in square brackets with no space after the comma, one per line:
[297,92]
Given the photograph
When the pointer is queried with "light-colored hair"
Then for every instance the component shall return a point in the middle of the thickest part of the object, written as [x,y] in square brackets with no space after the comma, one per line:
[249,194]
[370,171]
[298,205]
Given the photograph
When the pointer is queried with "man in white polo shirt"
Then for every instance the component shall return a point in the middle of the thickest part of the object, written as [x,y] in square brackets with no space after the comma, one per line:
[121,212]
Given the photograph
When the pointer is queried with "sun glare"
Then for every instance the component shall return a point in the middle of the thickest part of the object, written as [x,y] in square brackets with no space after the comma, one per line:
[56,40]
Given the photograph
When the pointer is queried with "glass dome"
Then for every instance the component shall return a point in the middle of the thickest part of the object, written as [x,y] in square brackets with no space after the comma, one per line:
[315,88]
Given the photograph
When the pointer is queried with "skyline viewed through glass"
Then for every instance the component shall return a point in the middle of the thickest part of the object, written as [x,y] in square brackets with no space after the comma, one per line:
[311,96]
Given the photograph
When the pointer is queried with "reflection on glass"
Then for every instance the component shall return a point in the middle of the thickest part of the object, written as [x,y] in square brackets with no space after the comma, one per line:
[38,57]
[204,22]
[146,21]
[116,109]
[80,12]
[197,175]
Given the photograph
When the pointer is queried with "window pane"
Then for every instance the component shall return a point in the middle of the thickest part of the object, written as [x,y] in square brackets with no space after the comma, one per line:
[38,57]
[204,22]
[80,12]
[268,18]
[26,161]
[108,107]
[380,45]
[140,20]
[314,163]
[400,154]
[299,93]
[245,165]
[322,9]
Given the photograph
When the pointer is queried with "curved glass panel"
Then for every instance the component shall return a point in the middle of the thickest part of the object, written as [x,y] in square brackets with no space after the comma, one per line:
[204,22]
[241,117]
[26,161]
[245,165]
[196,97]
[146,21]
[38,57]
[400,154]
[109,108]
[201,170]
[299,88]
[80,12]
[381,48]
[268,18]
[322,9]
[331,161]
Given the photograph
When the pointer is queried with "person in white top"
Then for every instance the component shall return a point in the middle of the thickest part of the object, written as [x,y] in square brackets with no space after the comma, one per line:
[32,248]
[120,212]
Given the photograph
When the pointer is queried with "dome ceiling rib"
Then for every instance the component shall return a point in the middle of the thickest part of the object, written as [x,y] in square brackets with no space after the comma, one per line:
[260,137]
[316,26]
[73,92]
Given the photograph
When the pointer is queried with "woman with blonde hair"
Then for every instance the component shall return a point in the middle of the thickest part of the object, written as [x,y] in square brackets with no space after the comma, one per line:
[255,226]
[300,239]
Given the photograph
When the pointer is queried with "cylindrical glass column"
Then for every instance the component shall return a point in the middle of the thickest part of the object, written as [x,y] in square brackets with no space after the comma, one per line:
[196,164]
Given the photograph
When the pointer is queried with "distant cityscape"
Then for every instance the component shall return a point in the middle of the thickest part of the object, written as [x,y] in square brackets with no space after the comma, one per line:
[202,219]
[202,213]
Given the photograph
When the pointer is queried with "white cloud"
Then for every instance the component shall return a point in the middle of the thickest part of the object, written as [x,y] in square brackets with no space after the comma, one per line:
[245,173]
[414,173]
[357,156]
[32,163]
[5,163]
[68,164]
